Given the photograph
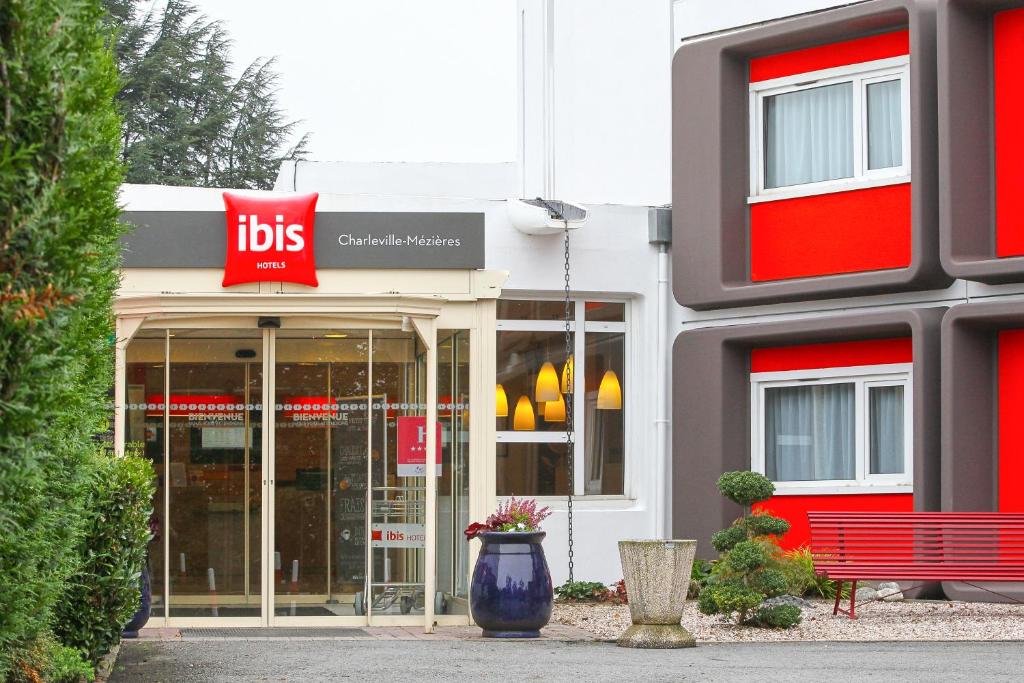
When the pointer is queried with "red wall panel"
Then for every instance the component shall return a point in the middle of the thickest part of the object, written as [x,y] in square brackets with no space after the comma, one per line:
[834,355]
[881,46]
[1011,421]
[827,234]
[795,508]
[1008,63]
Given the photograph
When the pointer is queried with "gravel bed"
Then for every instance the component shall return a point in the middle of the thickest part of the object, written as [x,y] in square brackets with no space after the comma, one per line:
[876,621]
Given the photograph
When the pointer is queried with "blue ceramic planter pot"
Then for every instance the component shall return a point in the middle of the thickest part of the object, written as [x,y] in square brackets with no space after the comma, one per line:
[511,591]
[139,619]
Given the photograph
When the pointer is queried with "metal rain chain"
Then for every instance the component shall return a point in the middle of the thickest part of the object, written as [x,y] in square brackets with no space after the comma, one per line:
[570,381]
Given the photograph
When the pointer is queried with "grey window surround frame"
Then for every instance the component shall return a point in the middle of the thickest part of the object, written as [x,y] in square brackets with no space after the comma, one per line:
[970,421]
[711,408]
[966,119]
[710,150]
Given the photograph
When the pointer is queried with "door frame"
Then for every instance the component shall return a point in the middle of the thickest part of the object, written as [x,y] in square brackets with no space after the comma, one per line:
[421,312]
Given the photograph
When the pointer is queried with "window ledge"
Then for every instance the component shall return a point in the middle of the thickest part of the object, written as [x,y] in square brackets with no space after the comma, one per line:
[828,187]
[783,489]
[588,503]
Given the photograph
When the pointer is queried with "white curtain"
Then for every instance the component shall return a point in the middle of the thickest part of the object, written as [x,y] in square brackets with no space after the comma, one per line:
[809,432]
[885,136]
[885,406]
[808,135]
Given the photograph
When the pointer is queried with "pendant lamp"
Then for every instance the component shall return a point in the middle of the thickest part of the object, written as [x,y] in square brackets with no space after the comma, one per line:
[554,411]
[523,420]
[567,376]
[500,401]
[609,394]
[547,384]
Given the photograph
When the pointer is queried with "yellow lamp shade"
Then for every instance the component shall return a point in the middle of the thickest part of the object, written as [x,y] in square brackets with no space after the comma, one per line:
[567,371]
[547,384]
[500,401]
[523,420]
[609,394]
[554,411]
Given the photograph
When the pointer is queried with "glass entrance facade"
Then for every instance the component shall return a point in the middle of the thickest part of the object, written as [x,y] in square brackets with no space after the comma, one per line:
[291,472]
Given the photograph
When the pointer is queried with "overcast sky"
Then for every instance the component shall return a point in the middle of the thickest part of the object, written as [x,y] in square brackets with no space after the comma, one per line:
[387,80]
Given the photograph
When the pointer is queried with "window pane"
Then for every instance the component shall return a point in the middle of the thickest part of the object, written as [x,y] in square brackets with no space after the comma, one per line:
[887,435]
[808,135]
[809,432]
[604,311]
[509,309]
[885,134]
[521,358]
[604,416]
[532,469]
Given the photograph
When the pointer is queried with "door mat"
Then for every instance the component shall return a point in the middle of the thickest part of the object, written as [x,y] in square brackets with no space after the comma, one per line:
[242,633]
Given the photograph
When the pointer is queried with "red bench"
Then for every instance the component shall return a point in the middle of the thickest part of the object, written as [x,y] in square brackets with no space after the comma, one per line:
[916,546]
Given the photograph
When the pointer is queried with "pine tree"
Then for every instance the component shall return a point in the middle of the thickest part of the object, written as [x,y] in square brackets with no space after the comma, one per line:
[186,120]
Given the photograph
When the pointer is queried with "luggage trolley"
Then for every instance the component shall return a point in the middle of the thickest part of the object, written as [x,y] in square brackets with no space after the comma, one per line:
[398,520]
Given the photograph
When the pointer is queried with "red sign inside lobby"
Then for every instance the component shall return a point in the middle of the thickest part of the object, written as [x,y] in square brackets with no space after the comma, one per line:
[270,239]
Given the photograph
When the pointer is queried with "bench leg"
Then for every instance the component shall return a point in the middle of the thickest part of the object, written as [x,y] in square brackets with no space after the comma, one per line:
[839,596]
[853,599]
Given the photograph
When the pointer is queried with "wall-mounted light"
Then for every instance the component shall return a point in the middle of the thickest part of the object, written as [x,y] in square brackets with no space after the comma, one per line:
[500,401]
[609,394]
[547,384]
[524,420]
[554,411]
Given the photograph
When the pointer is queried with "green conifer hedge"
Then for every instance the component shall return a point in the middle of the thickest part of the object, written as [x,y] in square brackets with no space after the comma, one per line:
[59,174]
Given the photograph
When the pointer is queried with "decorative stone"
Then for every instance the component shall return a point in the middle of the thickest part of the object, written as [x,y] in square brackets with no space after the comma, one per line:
[657,575]
[890,592]
[794,600]
[866,594]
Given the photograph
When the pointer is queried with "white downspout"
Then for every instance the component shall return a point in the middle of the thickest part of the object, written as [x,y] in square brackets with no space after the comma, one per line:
[661,421]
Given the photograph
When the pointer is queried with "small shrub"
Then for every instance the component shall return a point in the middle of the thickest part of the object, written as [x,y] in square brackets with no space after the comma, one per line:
[724,540]
[617,593]
[798,567]
[699,574]
[582,591]
[47,660]
[765,525]
[104,594]
[728,598]
[746,556]
[777,616]
[771,582]
[745,488]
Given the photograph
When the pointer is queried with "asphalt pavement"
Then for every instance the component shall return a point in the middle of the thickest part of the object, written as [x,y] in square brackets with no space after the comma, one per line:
[310,660]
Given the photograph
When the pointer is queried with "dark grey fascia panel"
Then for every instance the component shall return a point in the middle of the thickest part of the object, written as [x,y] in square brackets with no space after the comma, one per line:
[711,406]
[710,167]
[967,230]
[197,239]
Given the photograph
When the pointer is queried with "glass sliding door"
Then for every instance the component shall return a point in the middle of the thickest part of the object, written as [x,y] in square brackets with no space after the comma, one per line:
[212,428]
[321,426]
[397,469]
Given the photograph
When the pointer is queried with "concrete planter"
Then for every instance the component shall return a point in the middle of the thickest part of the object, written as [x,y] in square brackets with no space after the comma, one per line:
[657,575]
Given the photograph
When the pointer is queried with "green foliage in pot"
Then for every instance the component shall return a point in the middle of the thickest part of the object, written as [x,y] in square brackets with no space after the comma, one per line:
[747,571]
[59,263]
[104,594]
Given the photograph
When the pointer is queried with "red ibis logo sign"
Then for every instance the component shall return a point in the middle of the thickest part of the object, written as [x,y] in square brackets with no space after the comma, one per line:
[270,239]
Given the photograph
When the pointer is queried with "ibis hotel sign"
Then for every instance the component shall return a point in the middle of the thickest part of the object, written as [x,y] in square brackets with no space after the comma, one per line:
[283,238]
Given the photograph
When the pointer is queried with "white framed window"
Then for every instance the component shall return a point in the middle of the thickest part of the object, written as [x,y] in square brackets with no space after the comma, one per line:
[834,430]
[830,130]
[532,454]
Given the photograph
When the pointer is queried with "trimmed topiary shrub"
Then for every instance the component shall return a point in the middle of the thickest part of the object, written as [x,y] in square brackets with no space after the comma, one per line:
[104,594]
[777,616]
[747,571]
